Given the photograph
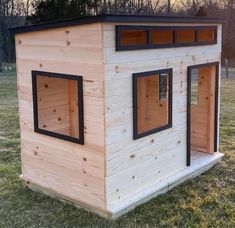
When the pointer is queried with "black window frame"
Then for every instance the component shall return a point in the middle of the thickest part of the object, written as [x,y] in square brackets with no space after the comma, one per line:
[135,77]
[35,74]
[149,45]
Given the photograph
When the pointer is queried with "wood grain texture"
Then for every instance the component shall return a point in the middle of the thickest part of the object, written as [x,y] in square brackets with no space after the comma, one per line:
[134,165]
[73,170]
[111,167]
[203,113]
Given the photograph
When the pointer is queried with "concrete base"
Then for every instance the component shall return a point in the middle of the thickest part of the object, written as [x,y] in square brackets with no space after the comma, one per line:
[200,163]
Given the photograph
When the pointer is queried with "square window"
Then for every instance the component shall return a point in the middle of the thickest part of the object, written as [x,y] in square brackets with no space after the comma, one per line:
[152,102]
[58,105]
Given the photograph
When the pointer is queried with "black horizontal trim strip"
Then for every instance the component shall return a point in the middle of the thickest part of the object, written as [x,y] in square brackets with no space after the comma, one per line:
[114,18]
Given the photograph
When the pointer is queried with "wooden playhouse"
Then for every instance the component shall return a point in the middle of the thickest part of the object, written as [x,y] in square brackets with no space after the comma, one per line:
[117,109]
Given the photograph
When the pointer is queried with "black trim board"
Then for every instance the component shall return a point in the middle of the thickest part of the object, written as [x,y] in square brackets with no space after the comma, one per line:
[115,19]
[79,140]
[216,64]
[135,77]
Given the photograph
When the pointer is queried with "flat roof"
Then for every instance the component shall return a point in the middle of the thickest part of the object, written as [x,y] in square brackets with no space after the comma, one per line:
[115,19]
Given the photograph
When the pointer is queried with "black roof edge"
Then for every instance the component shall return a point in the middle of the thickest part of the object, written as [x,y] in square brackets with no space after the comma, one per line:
[114,18]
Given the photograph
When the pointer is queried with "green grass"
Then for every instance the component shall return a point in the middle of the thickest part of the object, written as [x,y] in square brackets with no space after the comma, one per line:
[206,201]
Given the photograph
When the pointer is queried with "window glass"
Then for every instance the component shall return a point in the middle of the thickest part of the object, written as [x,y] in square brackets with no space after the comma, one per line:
[194,86]
[152,102]
[163,83]
[162,37]
[185,36]
[133,37]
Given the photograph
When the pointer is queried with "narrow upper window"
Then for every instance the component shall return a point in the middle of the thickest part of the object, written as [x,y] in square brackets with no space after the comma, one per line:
[185,36]
[134,38]
[152,102]
[161,37]
[206,35]
[58,105]
[149,37]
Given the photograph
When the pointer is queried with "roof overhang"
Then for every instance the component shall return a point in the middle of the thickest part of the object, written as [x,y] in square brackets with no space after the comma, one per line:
[115,19]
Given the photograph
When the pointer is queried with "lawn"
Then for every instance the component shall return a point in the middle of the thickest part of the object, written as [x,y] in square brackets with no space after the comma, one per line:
[206,201]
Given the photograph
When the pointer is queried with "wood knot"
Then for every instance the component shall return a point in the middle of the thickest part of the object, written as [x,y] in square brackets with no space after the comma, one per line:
[68,42]
[179,142]
[67,31]
[59,118]
[44,125]
[84,159]
[40,65]
[133,177]
[54,110]
[152,141]
[46,86]
[116,69]
[132,155]
[35,153]
[84,171]
[19,42]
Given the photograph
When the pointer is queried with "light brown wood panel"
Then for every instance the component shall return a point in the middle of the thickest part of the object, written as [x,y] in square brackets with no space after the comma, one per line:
[133,37]
[185,36]
[133,164]
[206,35]
[51,118]
[203,114]
[73,108]
[73,170]
[162,37]
[152,112]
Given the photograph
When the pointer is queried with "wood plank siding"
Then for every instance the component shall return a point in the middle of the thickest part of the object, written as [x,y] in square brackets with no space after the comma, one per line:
[111,166]
[73,170]
[135,165]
